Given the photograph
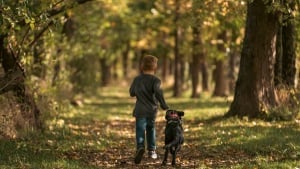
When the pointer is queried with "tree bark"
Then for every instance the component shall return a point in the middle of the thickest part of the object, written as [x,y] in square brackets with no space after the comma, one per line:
[285,66]
[278,58]
[125,54]
[182,72]
[14,80]
[231,73]
[289,54]
[254,93]
[219,74]
[220,80]
[195,65]
[165,68]
[204,74]
[177,71]
[68,32]
[105,72]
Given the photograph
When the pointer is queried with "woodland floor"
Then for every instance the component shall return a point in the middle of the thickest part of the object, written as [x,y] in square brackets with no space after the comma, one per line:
[120,153]
[100,134]
[116,129]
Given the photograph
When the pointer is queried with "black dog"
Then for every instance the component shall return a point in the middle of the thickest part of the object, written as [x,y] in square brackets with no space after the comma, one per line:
[173,134]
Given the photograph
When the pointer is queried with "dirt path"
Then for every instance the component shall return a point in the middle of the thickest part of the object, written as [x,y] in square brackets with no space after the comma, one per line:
[120,148]
[118,135]
[120,152]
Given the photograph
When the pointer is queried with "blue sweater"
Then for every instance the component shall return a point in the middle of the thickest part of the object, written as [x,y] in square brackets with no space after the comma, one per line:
[148,94]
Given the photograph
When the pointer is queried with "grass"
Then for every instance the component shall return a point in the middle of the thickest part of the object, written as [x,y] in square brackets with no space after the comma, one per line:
[101,135]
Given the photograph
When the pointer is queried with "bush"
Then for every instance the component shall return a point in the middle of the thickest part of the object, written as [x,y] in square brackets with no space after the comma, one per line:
[288,104]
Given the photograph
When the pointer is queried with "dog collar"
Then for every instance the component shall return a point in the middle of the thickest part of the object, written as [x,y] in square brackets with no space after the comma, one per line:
[174,121]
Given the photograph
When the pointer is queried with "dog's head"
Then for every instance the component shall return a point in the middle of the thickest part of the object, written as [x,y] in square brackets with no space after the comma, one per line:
[174,115]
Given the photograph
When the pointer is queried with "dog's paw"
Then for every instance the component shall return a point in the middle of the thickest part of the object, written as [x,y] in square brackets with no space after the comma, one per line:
[164,163]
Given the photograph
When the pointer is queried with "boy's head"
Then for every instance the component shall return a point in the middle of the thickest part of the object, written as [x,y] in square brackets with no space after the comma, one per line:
[149,63]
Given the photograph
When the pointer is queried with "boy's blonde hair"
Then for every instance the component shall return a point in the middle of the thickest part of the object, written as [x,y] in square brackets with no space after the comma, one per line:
[149,63]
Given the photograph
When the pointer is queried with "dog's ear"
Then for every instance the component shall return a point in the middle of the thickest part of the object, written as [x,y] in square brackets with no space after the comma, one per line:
[167,114]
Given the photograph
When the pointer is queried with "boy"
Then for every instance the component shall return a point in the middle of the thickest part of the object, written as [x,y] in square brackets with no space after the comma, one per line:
[146,88]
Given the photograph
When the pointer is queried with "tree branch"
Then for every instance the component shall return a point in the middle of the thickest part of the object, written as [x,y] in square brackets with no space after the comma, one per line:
[55,11]
[52,13]
[36,38]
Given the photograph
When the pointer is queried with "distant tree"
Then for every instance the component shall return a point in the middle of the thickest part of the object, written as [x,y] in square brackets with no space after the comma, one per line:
[177,90]
[197,49]
[228,31]
[67,33]
[195,65]
[285,66]
[219,73]
[255,94]
[125,58]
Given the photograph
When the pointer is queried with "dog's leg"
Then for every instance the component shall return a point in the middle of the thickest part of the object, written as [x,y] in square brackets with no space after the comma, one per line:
[166,156]
[174,153]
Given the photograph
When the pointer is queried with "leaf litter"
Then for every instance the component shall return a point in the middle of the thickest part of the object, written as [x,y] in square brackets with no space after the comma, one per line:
[120,149]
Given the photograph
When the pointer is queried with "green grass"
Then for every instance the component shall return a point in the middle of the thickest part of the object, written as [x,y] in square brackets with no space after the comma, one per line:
[101,135]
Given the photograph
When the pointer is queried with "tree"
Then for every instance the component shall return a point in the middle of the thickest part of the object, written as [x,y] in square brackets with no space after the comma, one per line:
[254,94]
[227,31]
[219,73]
[177,69]
[198,59]
[195,65]
[285,66]
[22,25]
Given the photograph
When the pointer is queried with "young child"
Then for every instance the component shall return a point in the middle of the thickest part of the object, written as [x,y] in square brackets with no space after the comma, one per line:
[147,90]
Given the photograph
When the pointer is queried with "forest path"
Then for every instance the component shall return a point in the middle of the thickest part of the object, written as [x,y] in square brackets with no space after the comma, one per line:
[106,127]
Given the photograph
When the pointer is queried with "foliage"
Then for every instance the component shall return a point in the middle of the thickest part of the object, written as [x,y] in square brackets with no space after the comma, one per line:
[26,27]
[101,133]
[106,29]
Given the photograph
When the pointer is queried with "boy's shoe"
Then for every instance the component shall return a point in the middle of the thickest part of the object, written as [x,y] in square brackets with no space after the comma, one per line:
[139,155]
[152,154]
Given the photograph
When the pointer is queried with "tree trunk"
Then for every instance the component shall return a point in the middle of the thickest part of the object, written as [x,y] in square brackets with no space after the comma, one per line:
[67,31]
[234,59]
[165,68]
[204,74]
[219,79]
[278,59]
[177,71]
[231,73]
[195,65]
[171,67]
[219,74]
[254,92]
[285,66]
[14,80]
[105,72]
[289,54]
[182,72]
[125,54]
[114,68]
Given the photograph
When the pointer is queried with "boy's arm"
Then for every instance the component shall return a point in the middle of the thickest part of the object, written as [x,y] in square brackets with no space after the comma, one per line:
[159,95]
[131,90]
